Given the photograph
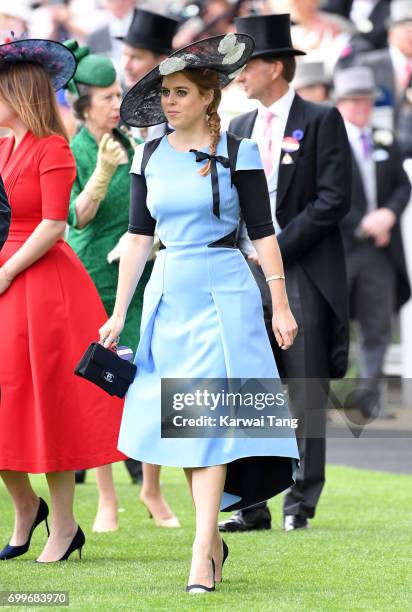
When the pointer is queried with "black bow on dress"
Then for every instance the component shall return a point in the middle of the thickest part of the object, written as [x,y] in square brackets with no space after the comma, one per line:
[200,157]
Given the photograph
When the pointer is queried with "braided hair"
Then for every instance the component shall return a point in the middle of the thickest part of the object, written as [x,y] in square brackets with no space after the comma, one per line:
[206,80]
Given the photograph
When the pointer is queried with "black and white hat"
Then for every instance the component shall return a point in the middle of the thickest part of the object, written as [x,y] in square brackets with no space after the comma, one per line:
[227,55]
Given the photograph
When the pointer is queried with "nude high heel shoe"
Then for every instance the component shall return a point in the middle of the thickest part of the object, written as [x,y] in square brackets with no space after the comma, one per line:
[171,522]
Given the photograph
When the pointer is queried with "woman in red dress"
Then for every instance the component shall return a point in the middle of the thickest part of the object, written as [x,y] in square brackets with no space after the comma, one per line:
[50,421]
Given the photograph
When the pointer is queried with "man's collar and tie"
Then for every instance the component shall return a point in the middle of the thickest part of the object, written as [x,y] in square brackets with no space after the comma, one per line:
[273,120]
[268,118]
[268,131]
[367,144]
[361,141]
[360,138]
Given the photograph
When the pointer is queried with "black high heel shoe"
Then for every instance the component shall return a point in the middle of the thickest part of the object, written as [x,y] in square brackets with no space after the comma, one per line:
[77,543]
[201,588]
[10,552]
[225,556]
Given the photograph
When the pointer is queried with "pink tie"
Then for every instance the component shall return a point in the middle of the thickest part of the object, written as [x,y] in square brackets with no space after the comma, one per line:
[407,75]
[267,157]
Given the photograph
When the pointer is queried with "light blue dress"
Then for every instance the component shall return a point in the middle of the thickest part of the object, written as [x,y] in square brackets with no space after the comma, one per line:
[202,318]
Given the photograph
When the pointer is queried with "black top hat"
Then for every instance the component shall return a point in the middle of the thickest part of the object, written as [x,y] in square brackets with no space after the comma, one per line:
[271,34]
[151,31]
[227,55]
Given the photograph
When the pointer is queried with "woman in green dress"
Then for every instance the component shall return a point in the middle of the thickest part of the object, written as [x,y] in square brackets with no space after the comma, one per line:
[98,218]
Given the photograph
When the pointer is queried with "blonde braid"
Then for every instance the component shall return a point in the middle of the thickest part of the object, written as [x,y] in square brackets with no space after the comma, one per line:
[213,120]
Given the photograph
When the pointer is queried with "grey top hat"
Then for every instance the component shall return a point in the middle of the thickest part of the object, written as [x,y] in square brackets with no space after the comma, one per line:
[310,73]
[354,82]
[400,10]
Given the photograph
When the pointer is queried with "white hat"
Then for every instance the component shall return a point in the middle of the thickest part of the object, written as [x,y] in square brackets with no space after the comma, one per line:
[20,9]
[400,10]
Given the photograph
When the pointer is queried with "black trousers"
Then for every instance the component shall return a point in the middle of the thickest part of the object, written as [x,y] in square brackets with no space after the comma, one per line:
[306,362]
[372,281]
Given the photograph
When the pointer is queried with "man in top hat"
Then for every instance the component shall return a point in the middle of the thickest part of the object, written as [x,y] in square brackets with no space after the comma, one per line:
[311,81]
[306,157]
[392,67]
[147,42]
[4,215]
[378,279]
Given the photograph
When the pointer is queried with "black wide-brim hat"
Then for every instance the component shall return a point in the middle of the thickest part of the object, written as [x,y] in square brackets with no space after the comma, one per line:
[227,55]
[271,34]
[151,31]
[56,59]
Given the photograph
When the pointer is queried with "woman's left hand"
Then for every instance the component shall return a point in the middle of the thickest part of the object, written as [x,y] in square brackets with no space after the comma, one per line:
[284,327]
[5,282]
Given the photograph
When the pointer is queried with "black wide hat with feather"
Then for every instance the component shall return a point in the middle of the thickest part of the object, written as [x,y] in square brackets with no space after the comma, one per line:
[227,55]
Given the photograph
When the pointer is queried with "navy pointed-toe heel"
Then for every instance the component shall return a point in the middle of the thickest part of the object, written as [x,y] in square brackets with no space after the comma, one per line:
[77,543]
[225,556]
[79,540]
[10,552]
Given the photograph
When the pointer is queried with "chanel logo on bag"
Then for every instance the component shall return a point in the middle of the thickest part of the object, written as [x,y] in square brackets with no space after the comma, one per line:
[108,377]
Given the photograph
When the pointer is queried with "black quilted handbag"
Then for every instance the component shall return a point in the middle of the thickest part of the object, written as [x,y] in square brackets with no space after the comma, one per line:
[105,369]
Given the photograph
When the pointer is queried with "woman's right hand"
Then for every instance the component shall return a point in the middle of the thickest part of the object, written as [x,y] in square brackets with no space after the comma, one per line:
[111,330]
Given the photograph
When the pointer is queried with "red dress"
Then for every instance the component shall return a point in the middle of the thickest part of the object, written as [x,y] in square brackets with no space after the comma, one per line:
[50,420]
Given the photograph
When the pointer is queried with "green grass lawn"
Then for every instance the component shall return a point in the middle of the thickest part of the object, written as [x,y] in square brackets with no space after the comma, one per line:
[356,555]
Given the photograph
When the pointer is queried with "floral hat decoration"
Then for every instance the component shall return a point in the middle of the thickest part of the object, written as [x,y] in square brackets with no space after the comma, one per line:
[58,61]
[227,55]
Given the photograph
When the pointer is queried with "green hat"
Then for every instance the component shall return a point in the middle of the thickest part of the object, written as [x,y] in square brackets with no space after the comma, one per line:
[92,69]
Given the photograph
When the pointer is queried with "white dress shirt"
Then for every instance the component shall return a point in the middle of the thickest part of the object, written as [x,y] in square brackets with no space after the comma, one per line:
[366,165]
[281,109]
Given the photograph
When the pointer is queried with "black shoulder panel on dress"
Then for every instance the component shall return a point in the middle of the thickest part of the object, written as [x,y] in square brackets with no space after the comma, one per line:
[233,144]
[148,150]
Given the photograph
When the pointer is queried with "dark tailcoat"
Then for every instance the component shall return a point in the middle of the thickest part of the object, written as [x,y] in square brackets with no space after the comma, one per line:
[393,191]
[4,215]
[313,196]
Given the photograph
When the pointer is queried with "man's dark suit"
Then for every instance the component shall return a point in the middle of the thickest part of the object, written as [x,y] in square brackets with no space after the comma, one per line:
[377,276]
[4,215]
[393,191]
[313,195]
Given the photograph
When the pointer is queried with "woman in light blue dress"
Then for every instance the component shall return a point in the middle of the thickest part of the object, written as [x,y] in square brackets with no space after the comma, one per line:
[202,315]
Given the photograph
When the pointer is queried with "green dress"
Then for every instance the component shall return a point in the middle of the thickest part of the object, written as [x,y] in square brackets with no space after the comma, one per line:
[93,242]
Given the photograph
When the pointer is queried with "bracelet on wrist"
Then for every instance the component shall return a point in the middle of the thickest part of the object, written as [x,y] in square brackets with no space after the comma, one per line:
[275,277]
